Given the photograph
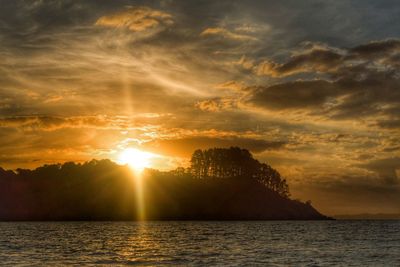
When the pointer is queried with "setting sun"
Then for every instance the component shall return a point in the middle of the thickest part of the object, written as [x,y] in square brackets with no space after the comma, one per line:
[135,158]
[174,119]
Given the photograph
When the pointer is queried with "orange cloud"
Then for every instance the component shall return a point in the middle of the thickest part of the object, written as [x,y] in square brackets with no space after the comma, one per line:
[217,31]
[215,105]
[136,19]
[316,60]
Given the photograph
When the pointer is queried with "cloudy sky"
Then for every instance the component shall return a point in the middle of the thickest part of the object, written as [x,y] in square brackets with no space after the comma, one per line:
[310,87]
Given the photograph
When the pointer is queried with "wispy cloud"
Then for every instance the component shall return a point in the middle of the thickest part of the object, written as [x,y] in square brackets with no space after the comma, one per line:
[225,33]
[136,19]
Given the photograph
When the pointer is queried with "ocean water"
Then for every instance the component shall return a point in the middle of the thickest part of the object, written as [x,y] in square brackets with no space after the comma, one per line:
[264,243]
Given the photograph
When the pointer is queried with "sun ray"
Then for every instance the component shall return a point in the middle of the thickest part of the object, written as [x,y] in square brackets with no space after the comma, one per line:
[137,160]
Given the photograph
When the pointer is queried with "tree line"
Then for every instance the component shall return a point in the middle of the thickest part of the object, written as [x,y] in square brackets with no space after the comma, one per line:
[104,190]
[215,163]
[234,162]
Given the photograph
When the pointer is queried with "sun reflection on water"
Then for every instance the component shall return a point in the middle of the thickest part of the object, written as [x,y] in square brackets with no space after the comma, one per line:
[139,177]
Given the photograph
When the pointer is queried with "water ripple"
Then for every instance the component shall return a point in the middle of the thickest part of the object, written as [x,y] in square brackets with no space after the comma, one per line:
[272,243]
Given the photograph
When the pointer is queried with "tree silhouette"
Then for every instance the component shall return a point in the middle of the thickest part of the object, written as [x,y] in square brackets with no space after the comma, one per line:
[221,184]
[235,162]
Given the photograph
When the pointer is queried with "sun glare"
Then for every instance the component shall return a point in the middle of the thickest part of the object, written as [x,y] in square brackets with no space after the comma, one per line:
[135,158]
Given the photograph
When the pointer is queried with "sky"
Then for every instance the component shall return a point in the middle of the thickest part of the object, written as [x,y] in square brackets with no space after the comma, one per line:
[309,87]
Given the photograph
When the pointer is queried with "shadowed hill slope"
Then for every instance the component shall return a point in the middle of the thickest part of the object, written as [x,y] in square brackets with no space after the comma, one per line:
[103,190]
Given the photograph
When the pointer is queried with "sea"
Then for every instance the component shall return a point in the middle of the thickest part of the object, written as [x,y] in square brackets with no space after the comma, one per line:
[201,243]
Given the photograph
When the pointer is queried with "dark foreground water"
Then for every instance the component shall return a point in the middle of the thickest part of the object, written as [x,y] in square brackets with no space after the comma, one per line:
[265,243]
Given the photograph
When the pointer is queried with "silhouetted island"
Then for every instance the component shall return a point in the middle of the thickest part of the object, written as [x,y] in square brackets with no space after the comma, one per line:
[220,184]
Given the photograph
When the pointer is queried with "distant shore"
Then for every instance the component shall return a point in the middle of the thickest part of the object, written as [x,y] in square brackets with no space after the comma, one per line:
[369,216]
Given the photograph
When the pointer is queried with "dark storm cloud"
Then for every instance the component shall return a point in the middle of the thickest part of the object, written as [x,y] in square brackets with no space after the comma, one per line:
[317,60]
[376,49]
[27,26]
[299,94]
[357,83]
[333,60]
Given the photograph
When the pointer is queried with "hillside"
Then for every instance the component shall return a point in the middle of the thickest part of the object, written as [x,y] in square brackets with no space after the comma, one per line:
[103,190]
